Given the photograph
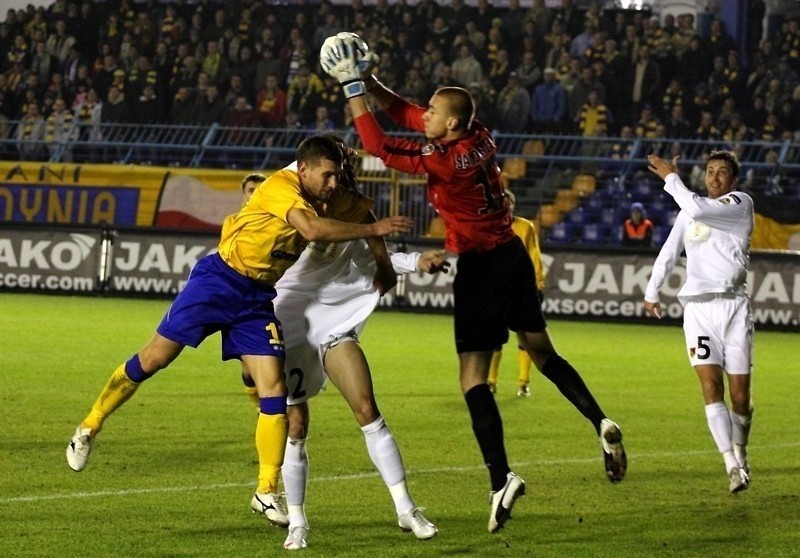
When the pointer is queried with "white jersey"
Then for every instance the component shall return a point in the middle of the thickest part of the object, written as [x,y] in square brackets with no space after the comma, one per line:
[715,233]
[325,296]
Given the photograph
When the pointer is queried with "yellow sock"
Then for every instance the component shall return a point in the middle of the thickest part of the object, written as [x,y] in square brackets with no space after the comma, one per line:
[252,394]
[524,367]
[117,391]
[271,433]
[495,366]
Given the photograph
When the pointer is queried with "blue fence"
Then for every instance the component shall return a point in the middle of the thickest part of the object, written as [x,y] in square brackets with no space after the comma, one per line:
[578,189]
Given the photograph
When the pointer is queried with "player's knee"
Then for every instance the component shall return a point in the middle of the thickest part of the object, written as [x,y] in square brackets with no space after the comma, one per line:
[366,412]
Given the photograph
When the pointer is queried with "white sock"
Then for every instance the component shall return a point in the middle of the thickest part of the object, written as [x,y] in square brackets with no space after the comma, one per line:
[295,477]
[719,422]
[741,433]
[385,455]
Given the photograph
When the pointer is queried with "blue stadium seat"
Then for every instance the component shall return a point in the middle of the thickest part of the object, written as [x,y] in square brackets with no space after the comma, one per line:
[660,234]
[581,215]
[593,233]
[595,202]
[561,233]
[611,216]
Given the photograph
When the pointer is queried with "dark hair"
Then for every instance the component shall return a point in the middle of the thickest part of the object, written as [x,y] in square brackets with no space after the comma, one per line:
[728,156]
[314,148]
[255,177]
[348,179]
[460,103]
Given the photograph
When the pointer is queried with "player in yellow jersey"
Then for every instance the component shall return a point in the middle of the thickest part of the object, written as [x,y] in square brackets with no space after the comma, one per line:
[232,292]
[527,232]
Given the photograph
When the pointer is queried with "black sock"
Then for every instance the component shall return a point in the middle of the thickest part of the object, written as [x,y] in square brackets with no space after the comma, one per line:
[488,428]
[571,385]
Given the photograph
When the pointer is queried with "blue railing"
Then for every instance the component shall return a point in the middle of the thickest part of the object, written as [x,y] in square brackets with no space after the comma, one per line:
[544,166]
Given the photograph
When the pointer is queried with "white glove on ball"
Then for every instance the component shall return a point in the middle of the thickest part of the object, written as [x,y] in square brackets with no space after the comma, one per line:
[344,57]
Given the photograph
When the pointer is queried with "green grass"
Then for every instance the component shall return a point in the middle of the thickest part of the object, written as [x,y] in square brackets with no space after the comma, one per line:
[173,470]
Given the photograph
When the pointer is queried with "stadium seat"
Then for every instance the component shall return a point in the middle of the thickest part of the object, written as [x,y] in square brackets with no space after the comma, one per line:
[593,233]
[582,215]
[514,167]
[566,200]
[595,202]
[533,147]
[669,217]
[584,184]
[562,233]
[611,217]
[435,227]
[548,215]
[660,234]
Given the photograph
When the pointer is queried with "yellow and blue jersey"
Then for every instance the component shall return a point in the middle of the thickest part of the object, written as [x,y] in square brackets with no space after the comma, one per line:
[258,242]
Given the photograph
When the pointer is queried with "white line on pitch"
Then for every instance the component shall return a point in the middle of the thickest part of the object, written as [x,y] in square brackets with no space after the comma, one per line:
[371,474]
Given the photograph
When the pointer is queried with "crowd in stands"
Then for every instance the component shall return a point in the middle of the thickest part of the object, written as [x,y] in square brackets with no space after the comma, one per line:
[569,70]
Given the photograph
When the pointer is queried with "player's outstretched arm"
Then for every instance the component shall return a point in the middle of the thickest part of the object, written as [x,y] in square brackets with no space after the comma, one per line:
[315,228]
[433,261]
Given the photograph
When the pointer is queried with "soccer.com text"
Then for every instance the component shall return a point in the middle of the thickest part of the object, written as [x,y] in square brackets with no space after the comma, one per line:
[35,281]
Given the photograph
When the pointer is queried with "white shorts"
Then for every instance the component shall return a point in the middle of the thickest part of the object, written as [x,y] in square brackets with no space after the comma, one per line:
[310,328]
[720,331]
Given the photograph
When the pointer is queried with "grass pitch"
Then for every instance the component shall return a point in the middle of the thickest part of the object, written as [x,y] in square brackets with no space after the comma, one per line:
[174,469]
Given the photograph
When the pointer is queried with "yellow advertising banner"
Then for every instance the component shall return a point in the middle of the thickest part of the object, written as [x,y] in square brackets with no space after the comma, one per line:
[117,195]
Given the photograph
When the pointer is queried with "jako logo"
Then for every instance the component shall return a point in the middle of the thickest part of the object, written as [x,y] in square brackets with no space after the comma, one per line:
[65,255]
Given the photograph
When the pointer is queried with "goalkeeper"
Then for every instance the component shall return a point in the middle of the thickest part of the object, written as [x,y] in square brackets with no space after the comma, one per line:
[495,285]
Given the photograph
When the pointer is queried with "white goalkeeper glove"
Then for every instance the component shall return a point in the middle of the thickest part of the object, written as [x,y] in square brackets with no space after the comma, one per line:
[344,57]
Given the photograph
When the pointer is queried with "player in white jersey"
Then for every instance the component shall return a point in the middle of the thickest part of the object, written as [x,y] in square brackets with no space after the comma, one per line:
[324,304]
[714,232]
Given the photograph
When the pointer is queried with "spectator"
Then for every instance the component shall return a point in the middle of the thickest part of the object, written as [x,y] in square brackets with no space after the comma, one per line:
[214,64]
[644,79]
[414,87]
[149,108]
[59,43]
[240,117]
[304,95]
[321,123]
[466,68]
[184,107]
[528,72]
[580,92]
[499,69]
[116,109]
[60,131]
[765,178]
[594,118]
[43,64]
[30,134]
[637,230]
[513,106]
[647,124]
[211,108]
[236,89]
[677,125]
[271,103]
[247,68]
[268,64]
[549,105]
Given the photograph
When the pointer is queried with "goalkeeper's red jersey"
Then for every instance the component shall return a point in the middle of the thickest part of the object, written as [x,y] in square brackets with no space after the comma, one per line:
[463,177]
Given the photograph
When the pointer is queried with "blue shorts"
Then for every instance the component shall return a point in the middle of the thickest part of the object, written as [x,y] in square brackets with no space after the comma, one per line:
[217,298]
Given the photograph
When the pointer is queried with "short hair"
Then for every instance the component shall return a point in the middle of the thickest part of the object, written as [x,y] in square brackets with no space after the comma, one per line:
[255,177]
[460,103]
[314,148]
[728,156]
